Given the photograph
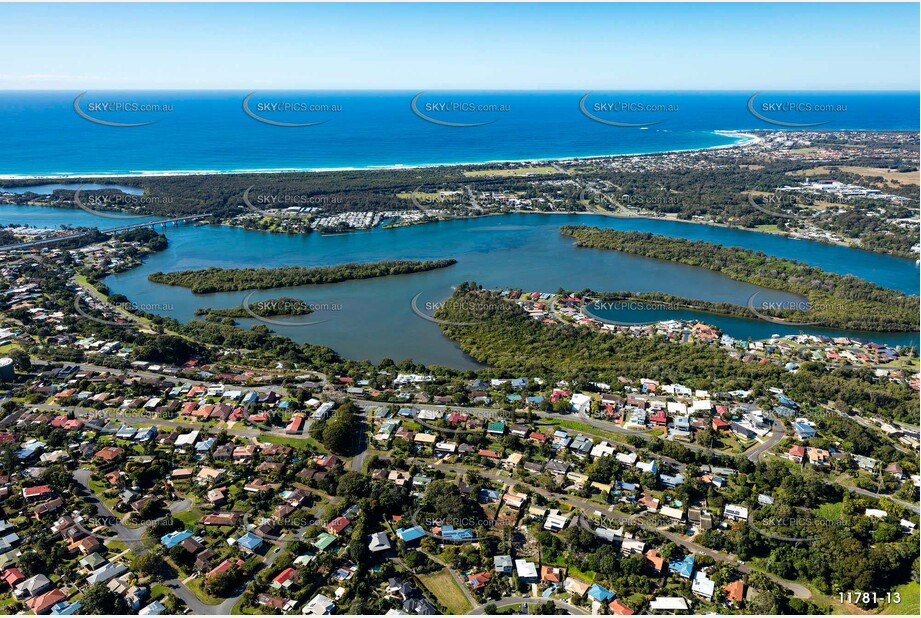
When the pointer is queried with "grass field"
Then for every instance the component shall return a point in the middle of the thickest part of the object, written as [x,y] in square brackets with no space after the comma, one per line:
[586,428]
[830,511]
[189,518]
[909,603]
[889,176]
[905,178]
[292,442]
[518,171]
[446,590]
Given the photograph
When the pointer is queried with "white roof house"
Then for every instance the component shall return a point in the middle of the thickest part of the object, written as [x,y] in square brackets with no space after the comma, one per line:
[187,439]
[632,546]
[703,585]
[672,512]
[735,511]
[669,604]
[580,403]
[319,605]
[602,449]
[556,521]
[525,569]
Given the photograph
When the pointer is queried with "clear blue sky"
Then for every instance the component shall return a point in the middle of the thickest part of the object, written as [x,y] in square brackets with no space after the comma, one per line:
[410,46]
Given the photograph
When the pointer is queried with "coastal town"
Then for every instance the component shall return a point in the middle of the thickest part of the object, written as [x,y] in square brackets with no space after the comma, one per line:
[157,466]
[167,488]
[592,308]
[209,484]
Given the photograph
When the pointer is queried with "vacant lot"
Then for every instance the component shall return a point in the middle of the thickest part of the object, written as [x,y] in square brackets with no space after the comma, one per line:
[889,176]
[445,589]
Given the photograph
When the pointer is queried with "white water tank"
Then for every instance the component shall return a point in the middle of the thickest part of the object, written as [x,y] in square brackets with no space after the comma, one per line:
[6,370]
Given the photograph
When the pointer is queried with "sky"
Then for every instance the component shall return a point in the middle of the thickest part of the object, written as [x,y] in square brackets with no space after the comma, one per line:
[687,46]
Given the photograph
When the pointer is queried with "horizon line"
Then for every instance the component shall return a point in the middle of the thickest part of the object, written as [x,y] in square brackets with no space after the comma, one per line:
[466,89]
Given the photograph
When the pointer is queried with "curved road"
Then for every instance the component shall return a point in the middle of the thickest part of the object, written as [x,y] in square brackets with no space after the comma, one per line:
[505,602]
[132,538]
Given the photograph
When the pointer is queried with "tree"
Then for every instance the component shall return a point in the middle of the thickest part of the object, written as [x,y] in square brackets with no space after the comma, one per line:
[99,600]
[150,564]
[20,359]
[341,432]
[223,584]
[32,563]
[353,485]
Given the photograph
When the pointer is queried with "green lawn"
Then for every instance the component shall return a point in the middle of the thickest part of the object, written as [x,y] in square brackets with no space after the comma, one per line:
[588,576]
[516,171]
[585,428]
[116,545]
[293,442]
[909,603]
[189,517]
[830,511]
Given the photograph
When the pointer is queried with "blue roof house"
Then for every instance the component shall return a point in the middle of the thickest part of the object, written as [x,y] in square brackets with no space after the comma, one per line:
[173,539]
[600,594]
[683,567]
[408,535]
[249,542]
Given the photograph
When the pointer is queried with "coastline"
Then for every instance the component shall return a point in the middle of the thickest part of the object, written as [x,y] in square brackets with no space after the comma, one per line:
[742,139]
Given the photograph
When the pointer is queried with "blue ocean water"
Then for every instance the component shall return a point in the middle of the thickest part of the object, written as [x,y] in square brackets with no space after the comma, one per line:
[41,133]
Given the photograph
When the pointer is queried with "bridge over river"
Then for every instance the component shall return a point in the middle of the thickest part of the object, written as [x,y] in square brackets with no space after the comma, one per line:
[114,230]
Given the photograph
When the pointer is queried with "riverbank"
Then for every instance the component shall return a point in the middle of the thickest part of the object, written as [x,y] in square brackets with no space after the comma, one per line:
[633,216]
[835,300]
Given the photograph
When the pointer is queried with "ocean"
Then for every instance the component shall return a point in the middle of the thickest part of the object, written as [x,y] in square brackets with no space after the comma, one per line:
[47,133]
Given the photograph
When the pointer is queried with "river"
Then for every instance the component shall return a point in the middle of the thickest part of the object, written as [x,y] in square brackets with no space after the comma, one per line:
[372,319]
